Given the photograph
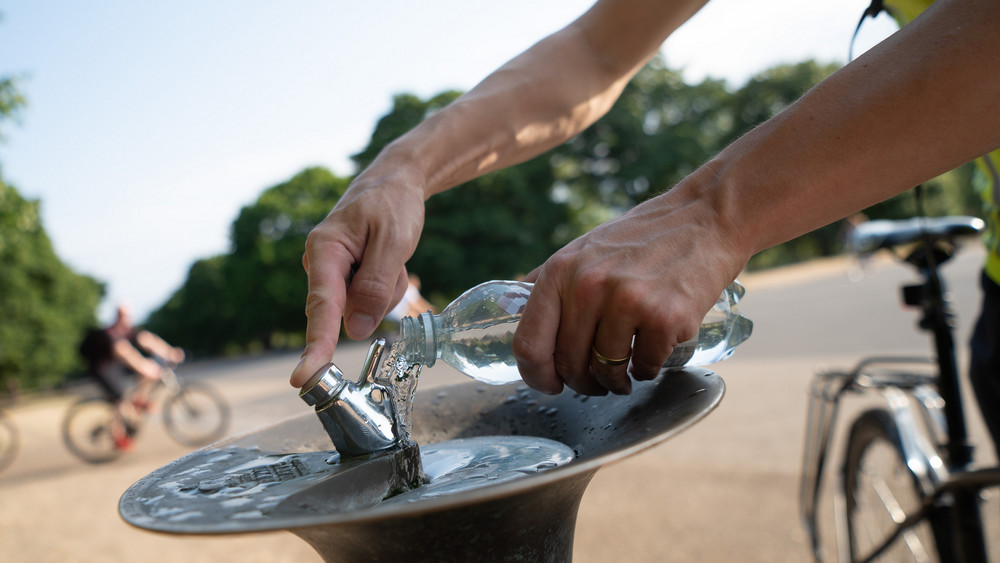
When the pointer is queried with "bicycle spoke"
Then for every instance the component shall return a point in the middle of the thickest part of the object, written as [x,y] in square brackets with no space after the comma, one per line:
[916,545]
[882,494]
[9,442]
[885,494]
[196,415]
[87,431]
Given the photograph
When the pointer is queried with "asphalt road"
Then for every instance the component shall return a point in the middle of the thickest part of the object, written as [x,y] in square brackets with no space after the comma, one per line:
[725,490]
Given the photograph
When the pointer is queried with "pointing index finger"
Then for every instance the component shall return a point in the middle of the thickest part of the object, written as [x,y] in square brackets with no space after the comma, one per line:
[328,279]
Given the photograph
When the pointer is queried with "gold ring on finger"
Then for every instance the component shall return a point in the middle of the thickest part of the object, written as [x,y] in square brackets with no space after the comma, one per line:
[606,361]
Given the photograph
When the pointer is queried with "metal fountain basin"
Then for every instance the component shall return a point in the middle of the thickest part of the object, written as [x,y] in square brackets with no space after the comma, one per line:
[337,508]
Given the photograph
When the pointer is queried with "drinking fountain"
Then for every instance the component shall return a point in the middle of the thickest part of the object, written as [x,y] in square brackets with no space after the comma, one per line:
[505,469]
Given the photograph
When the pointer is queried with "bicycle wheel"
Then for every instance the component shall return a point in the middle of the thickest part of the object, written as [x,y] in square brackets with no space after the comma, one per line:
[9,441]
[86,430]
[880,490]
[196,415]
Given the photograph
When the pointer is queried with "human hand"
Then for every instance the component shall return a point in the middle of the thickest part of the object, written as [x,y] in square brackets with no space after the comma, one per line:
[652,273]
[355,261]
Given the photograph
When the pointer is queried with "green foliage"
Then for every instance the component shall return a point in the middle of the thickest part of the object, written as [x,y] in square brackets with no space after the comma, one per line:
[658,131]
[44,306]
[498,226]
[770,92]
[11,100]
[198,316]
[265,265]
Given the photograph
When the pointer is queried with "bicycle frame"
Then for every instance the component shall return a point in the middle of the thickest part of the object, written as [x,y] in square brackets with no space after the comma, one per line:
[169,379]
[913,402]
[927,411]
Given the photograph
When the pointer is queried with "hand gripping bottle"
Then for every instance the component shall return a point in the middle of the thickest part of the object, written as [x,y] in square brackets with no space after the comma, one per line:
[474,333]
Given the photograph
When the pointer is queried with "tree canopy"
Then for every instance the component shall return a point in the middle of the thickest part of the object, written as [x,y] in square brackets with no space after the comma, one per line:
[44,305]
[257,292]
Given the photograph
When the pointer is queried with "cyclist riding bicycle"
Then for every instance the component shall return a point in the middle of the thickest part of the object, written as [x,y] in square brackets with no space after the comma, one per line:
[113,356]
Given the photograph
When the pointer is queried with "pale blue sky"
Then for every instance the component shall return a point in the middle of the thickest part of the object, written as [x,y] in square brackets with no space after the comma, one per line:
[150,124]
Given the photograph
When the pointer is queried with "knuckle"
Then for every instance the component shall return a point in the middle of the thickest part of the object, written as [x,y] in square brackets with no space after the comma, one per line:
[370,293]
[316,238]
[565,368]
[630,297]
[559,262]
[524,351]
[643,369]
[315,302]
[590,282]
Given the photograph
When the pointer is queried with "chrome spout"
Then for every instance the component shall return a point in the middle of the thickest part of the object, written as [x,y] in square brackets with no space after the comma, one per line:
[359,418]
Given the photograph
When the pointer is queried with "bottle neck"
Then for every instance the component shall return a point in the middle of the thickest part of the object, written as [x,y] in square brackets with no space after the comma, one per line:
[418,336]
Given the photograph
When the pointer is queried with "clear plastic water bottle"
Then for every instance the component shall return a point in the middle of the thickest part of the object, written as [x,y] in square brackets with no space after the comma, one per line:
[475,332]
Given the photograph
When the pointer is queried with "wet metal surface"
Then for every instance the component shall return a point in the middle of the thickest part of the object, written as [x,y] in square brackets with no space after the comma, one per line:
[281,478]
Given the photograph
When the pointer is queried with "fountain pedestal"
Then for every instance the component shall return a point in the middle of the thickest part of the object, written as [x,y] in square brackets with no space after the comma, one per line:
[336,508]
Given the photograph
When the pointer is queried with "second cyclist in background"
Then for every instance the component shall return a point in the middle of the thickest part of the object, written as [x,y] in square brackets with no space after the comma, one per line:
[114,358]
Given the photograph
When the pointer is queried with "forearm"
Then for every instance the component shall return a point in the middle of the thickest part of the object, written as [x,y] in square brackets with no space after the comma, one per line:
[157,346]
[128,355]
[923,102]
[541,98]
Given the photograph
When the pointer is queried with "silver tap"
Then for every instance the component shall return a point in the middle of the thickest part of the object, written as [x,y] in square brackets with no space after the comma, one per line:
[360,418]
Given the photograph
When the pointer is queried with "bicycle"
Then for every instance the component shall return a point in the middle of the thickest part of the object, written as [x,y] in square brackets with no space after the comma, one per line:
[10,440]
[907,488]
[194,414]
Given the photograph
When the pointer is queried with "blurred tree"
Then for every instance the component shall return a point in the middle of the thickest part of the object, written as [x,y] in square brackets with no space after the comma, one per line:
[658,131]
[200,315]
[256,292]
[45,307]
[11,101]
[267,280]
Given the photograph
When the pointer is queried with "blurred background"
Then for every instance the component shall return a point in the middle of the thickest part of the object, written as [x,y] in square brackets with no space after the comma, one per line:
[175,157]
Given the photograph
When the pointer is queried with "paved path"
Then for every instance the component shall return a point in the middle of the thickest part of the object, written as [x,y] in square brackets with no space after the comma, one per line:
[725,490]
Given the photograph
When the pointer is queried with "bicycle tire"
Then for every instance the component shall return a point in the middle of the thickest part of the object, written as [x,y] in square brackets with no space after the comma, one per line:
[196,415]
[86,430]
[879,490]
[10,441]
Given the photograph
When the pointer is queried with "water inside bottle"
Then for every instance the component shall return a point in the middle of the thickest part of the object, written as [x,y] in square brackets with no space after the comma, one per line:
[484,353]
[721,331]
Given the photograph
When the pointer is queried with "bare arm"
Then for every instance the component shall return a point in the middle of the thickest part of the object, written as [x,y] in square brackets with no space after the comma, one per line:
[544,96]
[924,101]
[536,101]
[159,347]
[921,103]
[128,355]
